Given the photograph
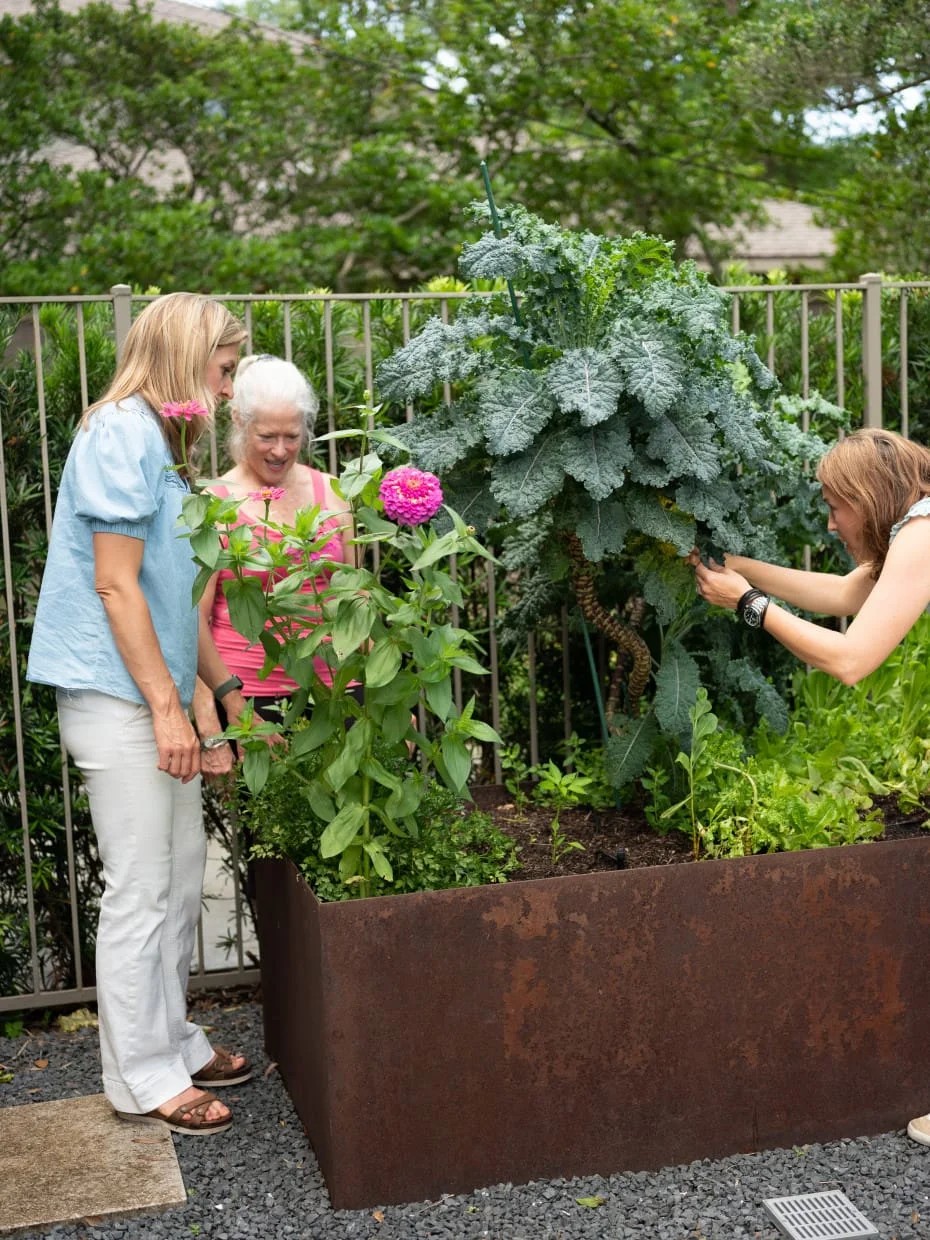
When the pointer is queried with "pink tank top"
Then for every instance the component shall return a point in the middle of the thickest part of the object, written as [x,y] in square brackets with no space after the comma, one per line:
[239,655]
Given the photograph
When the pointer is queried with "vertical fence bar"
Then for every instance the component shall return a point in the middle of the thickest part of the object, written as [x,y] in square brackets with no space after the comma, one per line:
[770,329]
[840,349]
[494,665]
[288,333]
[82,355]
[805,346]
[872,349]
[122,314]
[903,363]
[330,363]
[734,313]
[18,714]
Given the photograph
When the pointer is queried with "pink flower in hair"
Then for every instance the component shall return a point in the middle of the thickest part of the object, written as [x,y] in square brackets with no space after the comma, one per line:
[410,496]
[267,495]
[186,409]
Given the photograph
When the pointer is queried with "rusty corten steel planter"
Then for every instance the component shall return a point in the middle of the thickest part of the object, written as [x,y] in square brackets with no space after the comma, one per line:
[442,1041]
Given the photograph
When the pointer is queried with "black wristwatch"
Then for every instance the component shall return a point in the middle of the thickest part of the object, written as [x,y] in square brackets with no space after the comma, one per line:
[227,687]
[752,607]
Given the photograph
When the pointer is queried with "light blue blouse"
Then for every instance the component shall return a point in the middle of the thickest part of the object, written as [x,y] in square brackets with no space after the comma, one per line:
[920,509]
[117,479]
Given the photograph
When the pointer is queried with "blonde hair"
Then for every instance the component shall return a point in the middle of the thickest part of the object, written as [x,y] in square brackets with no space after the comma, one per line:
[261,380]
[880,474]
[165,358]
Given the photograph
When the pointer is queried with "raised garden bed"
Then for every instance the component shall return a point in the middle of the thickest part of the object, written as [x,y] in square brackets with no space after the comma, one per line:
[617,1020]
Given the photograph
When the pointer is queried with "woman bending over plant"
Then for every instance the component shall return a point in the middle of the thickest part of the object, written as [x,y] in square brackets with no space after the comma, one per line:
[876,486]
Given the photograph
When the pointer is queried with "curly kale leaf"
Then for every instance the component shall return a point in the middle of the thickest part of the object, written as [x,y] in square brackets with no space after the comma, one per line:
[514,407]
[598,457]
[650,361]
[586,382]
[524,483]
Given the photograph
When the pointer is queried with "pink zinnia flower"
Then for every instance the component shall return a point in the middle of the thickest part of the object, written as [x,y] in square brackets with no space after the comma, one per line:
[410,496]
[267,495]
[187,409]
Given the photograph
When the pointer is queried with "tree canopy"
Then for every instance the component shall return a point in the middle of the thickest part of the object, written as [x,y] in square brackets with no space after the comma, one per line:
[339,146]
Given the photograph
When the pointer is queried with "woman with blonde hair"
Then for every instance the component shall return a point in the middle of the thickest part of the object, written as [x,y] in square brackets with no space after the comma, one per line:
[876,486]
[117,634]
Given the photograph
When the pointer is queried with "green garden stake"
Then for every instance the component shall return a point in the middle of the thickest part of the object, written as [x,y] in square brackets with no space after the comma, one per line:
[598,697]
[498,232]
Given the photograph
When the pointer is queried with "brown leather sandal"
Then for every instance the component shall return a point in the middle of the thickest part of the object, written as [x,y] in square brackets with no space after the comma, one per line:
[189,1118]
[221,1071]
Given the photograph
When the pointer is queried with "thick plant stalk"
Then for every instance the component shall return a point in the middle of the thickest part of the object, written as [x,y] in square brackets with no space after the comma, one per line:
[624,637]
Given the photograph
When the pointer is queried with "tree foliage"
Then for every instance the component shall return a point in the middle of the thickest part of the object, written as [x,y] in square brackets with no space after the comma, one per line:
[340,153]
[853,58]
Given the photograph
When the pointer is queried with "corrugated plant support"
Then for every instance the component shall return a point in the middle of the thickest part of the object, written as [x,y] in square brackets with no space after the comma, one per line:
[638,662]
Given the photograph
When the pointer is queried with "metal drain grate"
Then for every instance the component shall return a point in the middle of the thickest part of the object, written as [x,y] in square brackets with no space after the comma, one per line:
[819,1216]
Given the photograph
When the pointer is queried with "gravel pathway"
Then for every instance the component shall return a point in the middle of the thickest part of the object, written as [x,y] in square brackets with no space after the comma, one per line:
[260,1180]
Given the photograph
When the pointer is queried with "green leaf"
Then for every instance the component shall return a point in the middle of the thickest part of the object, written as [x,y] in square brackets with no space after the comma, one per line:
[321,804]
[207,547]
[435,550]
[379,860]
[405,799]
[687,443]
[602,528]
[382,663]
[343,829]
[650,363]
[598,457]
[514,406]
[247,611]
[255,767]
[586,382]
[591,1203]
[379,773]
[321,727]
[457,761]
[648,514]
[629,751]
[354,618]
[439,697]
[677,681]
[524,483]
[347,763]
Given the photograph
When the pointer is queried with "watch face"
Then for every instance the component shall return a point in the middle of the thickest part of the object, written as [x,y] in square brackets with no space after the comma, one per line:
[754,611]
[213,742]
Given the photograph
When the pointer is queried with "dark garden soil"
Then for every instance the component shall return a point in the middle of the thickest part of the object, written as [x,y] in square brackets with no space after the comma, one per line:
[621,838]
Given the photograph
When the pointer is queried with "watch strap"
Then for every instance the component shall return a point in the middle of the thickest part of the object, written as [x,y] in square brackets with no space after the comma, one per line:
[227,687]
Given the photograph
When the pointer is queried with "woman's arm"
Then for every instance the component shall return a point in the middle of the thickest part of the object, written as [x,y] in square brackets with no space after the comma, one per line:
[214,763]
[826,594]
[117,563]
[890,610]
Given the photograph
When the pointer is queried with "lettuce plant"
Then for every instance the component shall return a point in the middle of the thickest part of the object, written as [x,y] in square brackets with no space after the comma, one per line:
[608,420]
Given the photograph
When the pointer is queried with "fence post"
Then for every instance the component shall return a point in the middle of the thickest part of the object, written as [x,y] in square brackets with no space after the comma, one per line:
[122,313]
[872,348]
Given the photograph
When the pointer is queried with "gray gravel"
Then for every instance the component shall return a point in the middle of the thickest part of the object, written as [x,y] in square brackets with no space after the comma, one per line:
[260,1180]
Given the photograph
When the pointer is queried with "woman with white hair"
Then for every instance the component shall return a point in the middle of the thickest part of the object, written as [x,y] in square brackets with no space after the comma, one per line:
[273,410]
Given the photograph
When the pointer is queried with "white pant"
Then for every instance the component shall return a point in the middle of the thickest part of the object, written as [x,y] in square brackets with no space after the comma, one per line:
[151,841]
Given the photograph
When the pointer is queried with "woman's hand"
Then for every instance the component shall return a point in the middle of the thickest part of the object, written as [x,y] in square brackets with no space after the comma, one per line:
[218,762]
[718,585]
[177,743]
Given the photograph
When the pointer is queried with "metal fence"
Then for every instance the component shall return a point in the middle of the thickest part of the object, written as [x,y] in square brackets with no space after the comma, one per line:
[865,345]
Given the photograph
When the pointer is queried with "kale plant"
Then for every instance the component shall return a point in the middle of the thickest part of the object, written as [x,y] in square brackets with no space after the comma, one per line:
[610,422]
